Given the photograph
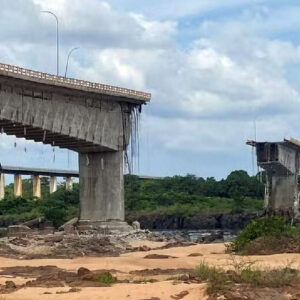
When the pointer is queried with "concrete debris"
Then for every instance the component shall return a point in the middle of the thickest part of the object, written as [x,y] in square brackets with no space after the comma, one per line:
[18,230]
[136,225]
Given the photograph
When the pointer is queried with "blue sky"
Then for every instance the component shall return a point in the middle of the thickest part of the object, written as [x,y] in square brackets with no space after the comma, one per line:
[214,68]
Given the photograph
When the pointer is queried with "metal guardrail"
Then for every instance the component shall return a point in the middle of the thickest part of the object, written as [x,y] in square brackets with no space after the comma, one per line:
[75,82]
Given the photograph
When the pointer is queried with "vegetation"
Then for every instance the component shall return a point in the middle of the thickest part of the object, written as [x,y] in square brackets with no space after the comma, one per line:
[57,207]
[267,235]
[188,194]
[178,195]
[246,273]
[106,278]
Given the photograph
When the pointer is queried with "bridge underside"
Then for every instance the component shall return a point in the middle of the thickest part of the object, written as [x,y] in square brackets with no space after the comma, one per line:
[47,137]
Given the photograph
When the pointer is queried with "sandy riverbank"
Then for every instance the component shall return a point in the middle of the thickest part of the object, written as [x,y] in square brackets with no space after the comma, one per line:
[213,254]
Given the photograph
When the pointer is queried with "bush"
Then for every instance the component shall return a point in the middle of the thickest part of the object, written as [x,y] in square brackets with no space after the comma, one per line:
[263,227]
[106,278]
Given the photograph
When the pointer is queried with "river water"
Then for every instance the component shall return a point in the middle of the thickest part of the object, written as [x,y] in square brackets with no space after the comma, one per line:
[198,235]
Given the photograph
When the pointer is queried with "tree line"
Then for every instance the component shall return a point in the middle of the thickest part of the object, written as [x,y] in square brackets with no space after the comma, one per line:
[171,195]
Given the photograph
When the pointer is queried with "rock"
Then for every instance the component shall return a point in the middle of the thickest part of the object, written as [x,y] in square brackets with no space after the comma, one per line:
[18,230]
[197,221]
[34,222]
[158,256]
[195,254]
[69,226]
[19,242]
[10,285]
[180,295]
[136,225]
[3,232]
[83,272]
[143,248]
[55,238]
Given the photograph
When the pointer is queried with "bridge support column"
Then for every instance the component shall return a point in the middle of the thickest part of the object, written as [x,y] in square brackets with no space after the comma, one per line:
[102,191]
[18,185]
[53,184]
[69,183]
[36,182]
[2,186]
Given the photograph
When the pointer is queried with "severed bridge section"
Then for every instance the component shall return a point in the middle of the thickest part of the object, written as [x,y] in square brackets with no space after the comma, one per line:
[92,119]
[281,162]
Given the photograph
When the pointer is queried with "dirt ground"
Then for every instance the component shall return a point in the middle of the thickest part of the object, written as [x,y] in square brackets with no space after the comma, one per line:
[131,268]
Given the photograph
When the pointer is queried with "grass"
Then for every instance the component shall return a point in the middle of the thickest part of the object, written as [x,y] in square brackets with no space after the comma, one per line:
[105,278]
[243,272]
[214,276]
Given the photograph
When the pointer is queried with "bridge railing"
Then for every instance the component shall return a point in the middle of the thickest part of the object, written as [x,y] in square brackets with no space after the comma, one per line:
[75,82]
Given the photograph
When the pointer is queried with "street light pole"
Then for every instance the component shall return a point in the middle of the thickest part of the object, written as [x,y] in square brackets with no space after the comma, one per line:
[57,38]
[67,64]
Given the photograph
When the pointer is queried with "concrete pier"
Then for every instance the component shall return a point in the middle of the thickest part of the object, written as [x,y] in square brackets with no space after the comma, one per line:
[101,186]
[2,186]
[53,184]
[281,162]
[69,184]
[102,190]
[36,186]
[18,192]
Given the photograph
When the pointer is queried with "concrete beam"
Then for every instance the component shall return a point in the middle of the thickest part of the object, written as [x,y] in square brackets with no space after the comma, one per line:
[36,182]
[69,183]
[2,186]
[53,184]
[18,192]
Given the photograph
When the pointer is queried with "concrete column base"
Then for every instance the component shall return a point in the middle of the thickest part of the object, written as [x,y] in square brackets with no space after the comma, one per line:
[104,227]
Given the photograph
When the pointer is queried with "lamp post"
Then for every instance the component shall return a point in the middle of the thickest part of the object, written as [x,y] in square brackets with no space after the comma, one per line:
[57,38]
[67,64]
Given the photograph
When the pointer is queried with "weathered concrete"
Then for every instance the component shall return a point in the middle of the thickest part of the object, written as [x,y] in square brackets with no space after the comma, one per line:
[53,184]
[36,186]
[92,119]
[2,186]
[101,186]
[18,191]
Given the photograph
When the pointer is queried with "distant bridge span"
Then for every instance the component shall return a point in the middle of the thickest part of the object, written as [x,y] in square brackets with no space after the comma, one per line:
[37,173]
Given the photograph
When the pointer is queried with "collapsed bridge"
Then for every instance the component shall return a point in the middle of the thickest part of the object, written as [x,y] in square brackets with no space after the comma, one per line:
[281,162]
[92,119]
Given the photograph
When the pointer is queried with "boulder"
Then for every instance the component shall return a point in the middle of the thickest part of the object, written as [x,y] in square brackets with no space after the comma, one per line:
[18,230]
[136,225]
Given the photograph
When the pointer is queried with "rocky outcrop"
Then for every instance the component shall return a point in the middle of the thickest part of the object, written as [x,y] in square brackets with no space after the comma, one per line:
[157,221]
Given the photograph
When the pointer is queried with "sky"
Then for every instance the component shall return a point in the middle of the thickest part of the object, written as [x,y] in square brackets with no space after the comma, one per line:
[220,72]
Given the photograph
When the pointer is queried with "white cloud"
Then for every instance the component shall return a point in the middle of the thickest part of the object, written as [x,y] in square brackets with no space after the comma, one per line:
[206,94]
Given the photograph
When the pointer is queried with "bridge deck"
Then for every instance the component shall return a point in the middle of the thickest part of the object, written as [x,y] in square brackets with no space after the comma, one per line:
[39,171]
[53,172]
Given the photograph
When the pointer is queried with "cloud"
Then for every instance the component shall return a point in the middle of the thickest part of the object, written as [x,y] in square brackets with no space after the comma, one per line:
[207,91]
